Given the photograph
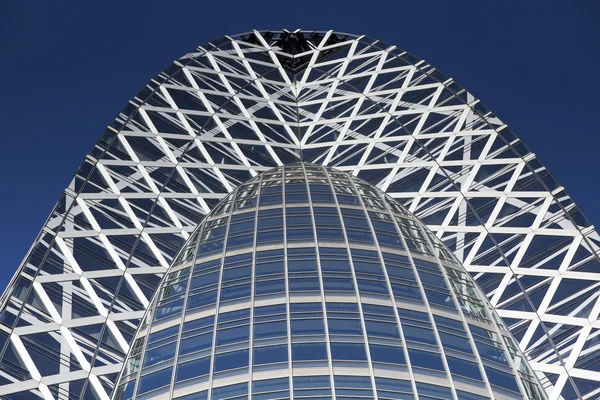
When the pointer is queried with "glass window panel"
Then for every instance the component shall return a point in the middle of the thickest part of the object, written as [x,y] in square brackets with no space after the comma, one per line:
[240,241]
[162,334]
[202,281]
[270,329]
[387,354]
[456,342]
[299,234]
[469,396]
[270,354]
[344,326]
[269,236]
[359,236]
[271,385]
[330,234]
[234,359]
[230,274]
[203,395]
[302,265]
[491,353]
[230,391]
[464,368]
[502,379]
[417,334]
[307,326]
[202,299]
[318,387]
[378,286]
[382,329]
[309,351]
[348,351]
[193,369]
[396,386]
[233,335]
[269,287]
[425,359]
[439,298]
[435,391]
[199,325]
[274,267]
[341,265]
[236,292]
[341,284]
[304,284]
[196,343]
[155,380]
[168,310]
[159,354]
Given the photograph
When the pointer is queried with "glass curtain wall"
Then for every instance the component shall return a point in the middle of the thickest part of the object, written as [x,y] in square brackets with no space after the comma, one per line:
[306,282]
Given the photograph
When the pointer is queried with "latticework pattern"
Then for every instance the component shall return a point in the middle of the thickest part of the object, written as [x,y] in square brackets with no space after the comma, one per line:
[243,104]
[309,281]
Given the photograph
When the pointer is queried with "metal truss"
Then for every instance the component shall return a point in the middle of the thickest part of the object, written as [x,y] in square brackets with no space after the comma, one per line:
[243,104]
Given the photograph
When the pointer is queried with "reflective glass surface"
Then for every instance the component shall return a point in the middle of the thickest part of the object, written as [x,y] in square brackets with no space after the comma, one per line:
[308,282]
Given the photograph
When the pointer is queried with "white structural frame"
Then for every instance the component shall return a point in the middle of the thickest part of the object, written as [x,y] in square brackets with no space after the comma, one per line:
[243,104]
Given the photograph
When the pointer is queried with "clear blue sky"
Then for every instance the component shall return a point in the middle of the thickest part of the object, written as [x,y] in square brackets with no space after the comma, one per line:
[68,68]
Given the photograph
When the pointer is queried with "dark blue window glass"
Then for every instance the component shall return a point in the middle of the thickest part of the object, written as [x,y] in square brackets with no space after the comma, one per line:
[196,343]
[434,391]
[202,299]
[270,329]
[305,265]
[502,379]
[382,329]
[205,280]
[159,354]
[236,292]
[233,335]
[307,326]
[375,285]
[165,333]
[348,351]
[464,368]
[168,310]
[425,359]
[332,265]
[203,395]
[234,359]
[269,268]
[387,354]
[394,389]
[269,287]
[338,284]
[155,380]
[270,354]
[318,387]
[455,342]
[192,369]
[230,391]
[271,389]
[309,351]
[304,284]
[417,334]
[469,396]
[492,353]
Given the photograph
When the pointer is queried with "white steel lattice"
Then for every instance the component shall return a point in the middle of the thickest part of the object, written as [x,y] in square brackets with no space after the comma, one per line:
[244,104]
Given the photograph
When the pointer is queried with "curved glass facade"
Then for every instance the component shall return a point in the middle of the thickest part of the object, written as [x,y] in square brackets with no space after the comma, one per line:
[310,283]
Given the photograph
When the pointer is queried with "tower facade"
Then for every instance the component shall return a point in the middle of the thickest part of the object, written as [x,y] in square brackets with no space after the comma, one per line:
[243,104]
[308,281]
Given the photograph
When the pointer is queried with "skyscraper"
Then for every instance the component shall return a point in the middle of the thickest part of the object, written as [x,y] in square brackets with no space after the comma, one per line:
[308,281]
[243,104]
